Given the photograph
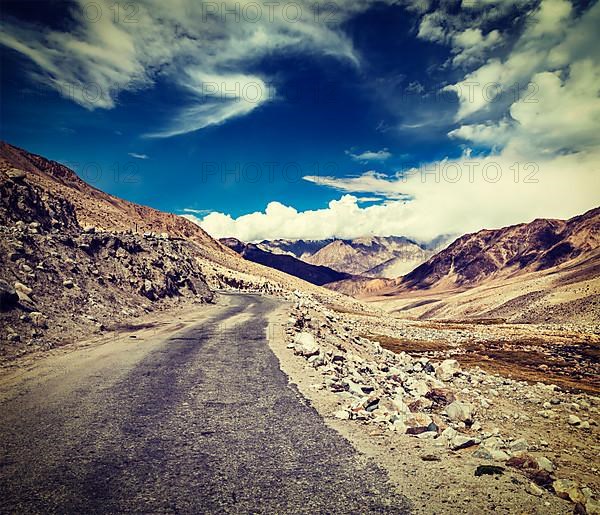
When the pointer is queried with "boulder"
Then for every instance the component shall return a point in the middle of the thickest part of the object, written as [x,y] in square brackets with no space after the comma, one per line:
[342,414]
[519,445]
[483,454]
[449,433]
[418,387]
[533,489]
[545,464]
[441,396]
[398,426]
[462,442]
[568,489]
[8,296]
[38,320]
[399,405]
[417,423]
[447,369]
[460,412]
[305,344]
[22,289]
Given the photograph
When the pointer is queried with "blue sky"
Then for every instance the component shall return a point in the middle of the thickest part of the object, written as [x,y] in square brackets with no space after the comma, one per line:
[264,122]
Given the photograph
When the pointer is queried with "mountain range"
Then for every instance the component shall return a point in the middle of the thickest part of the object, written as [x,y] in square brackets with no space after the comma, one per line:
[71,249]
[372,256]
[287,263]
[547,269]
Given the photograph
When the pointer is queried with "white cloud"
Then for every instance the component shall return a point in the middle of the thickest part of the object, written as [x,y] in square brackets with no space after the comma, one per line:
[489,193]
[553,41]
[471,45]
[187,211]
[219,98]
[369,199]
[559,110]
[493,134]
[369,182]
[431,28]
[369,155]
[138,156]
[184,42]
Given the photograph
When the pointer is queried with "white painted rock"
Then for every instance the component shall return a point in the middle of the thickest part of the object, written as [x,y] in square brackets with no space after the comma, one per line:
[342,414]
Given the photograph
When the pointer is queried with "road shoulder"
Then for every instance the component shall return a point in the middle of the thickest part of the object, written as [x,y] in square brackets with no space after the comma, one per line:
[446,484]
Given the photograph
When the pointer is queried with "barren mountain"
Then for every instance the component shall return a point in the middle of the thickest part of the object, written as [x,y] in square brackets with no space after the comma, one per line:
[376,256]
[539,245]
[290,265]
[543,271]
[370,256]
[297,248]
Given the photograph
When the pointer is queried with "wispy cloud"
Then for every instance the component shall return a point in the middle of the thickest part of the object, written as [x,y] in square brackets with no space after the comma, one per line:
[138,156]
[195,211]
[103,55]
[369,155]
[369,182]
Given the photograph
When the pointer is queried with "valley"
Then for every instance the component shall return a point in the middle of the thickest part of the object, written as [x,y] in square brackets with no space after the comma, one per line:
[481,360]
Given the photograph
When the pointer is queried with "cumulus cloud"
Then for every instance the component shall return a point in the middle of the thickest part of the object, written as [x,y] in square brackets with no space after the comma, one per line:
[369,155]
[451,196]
[550,80]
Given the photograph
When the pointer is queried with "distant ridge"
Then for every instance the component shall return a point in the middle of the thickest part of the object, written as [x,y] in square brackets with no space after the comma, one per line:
[315,274]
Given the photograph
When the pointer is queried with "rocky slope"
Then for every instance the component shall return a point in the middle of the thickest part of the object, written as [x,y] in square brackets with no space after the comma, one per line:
[314,274]
[58,280]
[95,208]
[490,254]
[75,260]
[426,407]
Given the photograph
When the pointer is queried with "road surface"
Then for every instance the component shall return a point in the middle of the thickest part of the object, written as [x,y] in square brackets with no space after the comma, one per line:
[202,421]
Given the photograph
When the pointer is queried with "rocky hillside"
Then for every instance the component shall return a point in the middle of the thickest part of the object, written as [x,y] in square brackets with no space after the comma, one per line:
[487,254]
[59,281]
[75,260]
[94,208]
[314,274]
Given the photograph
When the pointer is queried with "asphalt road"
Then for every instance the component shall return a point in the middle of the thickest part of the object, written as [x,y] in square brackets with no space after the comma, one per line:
[201,422]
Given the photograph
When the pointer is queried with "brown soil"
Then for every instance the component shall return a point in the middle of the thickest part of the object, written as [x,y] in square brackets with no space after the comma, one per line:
[574,367]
